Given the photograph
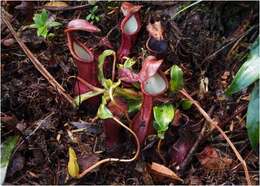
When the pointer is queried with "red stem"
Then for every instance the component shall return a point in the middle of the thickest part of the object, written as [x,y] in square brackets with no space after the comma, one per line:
[111,128]
[142,121]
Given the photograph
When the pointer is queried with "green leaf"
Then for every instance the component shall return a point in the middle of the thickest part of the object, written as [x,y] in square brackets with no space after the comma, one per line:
[41,18]
[129,62]
[88,17]
[103,111]
[42,31]
[134,105]
[176,82]
[94,9]
[42,24]
[163,115]
[101,61]
[248,73]
[186,104]
[6,151]
[83,97]
[252,119]
[51,24]
[97,19]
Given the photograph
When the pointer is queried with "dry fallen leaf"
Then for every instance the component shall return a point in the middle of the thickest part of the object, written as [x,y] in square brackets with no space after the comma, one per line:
[161,170]
[73,167]
[56,4]
[155,30]
[214,159]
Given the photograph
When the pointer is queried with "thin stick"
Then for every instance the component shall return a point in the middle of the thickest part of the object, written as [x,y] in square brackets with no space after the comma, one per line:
[201,135]
[115,159]
[36,62]
[63,8]
[185,8]
[215,124]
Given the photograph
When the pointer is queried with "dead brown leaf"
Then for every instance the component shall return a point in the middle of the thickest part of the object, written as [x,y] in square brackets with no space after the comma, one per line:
[214,159]
[56,4]
[155,30]
[161,170]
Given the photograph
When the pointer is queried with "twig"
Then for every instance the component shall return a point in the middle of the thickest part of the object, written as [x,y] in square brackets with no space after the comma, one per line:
[201,135]
[36,62]
[63,8]
[231,41]
[234,114]
[215,124]
[115,159]
[185,8]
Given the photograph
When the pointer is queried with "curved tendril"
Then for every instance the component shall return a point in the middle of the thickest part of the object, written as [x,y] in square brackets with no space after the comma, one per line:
[115,159]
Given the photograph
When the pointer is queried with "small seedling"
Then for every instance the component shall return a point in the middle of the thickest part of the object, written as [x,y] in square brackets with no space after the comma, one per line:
[43,24]
[92,16]
[163,115]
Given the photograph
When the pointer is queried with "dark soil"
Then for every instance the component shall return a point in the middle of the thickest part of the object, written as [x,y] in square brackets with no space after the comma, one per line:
[201,41]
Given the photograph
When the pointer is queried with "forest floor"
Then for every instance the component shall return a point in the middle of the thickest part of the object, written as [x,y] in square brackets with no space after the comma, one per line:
[208,41]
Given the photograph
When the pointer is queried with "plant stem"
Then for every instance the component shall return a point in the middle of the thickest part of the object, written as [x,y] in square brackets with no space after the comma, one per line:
[215,124]
[159,150]
[92,87]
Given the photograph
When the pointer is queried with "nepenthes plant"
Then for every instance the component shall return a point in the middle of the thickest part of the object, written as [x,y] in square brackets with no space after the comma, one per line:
[143,86]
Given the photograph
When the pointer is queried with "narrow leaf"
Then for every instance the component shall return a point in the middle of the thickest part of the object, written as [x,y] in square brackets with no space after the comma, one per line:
[252,119]
[6,151]
[176,82]
[248,73]
[73,167]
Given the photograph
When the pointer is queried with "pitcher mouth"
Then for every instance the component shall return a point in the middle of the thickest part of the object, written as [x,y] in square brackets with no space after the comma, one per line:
[130,25]
[79,51]
[82,53]
[155,85]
